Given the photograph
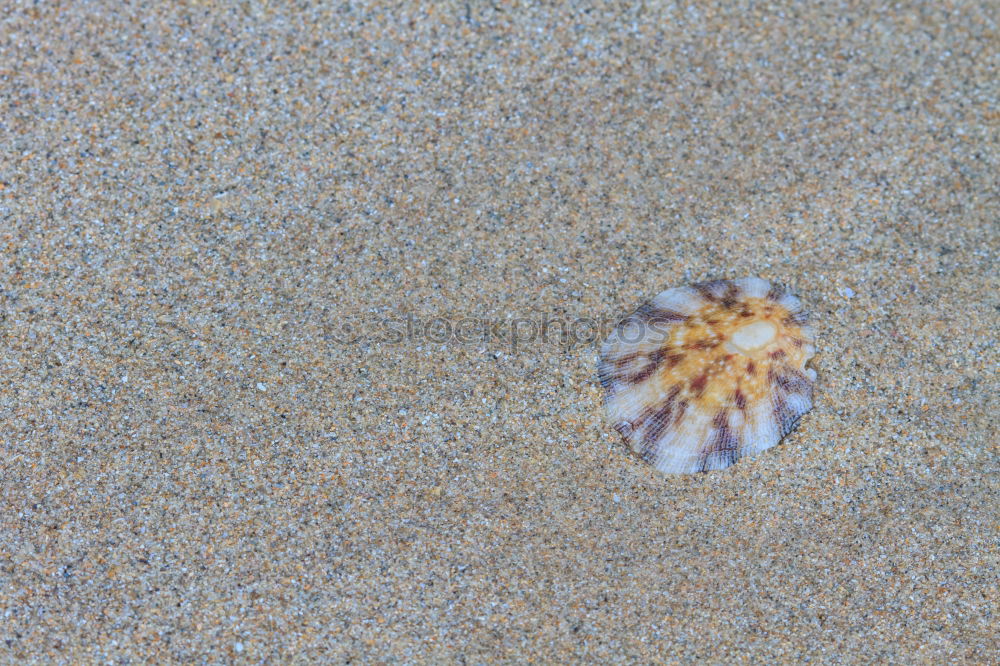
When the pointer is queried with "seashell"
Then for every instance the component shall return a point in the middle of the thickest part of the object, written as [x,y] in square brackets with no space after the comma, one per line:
[701,376]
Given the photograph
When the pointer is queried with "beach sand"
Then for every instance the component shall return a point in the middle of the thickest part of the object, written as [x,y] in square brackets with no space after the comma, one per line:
[300,310]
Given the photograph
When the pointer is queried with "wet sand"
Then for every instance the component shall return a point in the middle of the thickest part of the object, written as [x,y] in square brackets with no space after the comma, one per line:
[301,308]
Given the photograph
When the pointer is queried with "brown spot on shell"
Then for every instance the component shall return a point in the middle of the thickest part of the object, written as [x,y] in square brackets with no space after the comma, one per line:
[674,359]
[785,417]
[624,428]
[653,314]
[724,445]
[739,400]
[658,417]
[793,381]
[698,384]
[728,300]
[707,289]
[775,292]
[651,361]
[796,319]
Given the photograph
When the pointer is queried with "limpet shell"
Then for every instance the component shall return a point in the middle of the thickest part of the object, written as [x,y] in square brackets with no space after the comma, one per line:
[701,376]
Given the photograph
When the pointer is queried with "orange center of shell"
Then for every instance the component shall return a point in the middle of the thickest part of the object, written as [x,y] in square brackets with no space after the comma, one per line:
[718,348]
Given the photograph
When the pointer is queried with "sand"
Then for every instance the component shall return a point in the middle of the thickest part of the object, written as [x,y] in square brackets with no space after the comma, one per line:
[273,287]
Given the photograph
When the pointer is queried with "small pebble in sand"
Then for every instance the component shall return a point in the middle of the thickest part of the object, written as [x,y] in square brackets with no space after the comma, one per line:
[702,376]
